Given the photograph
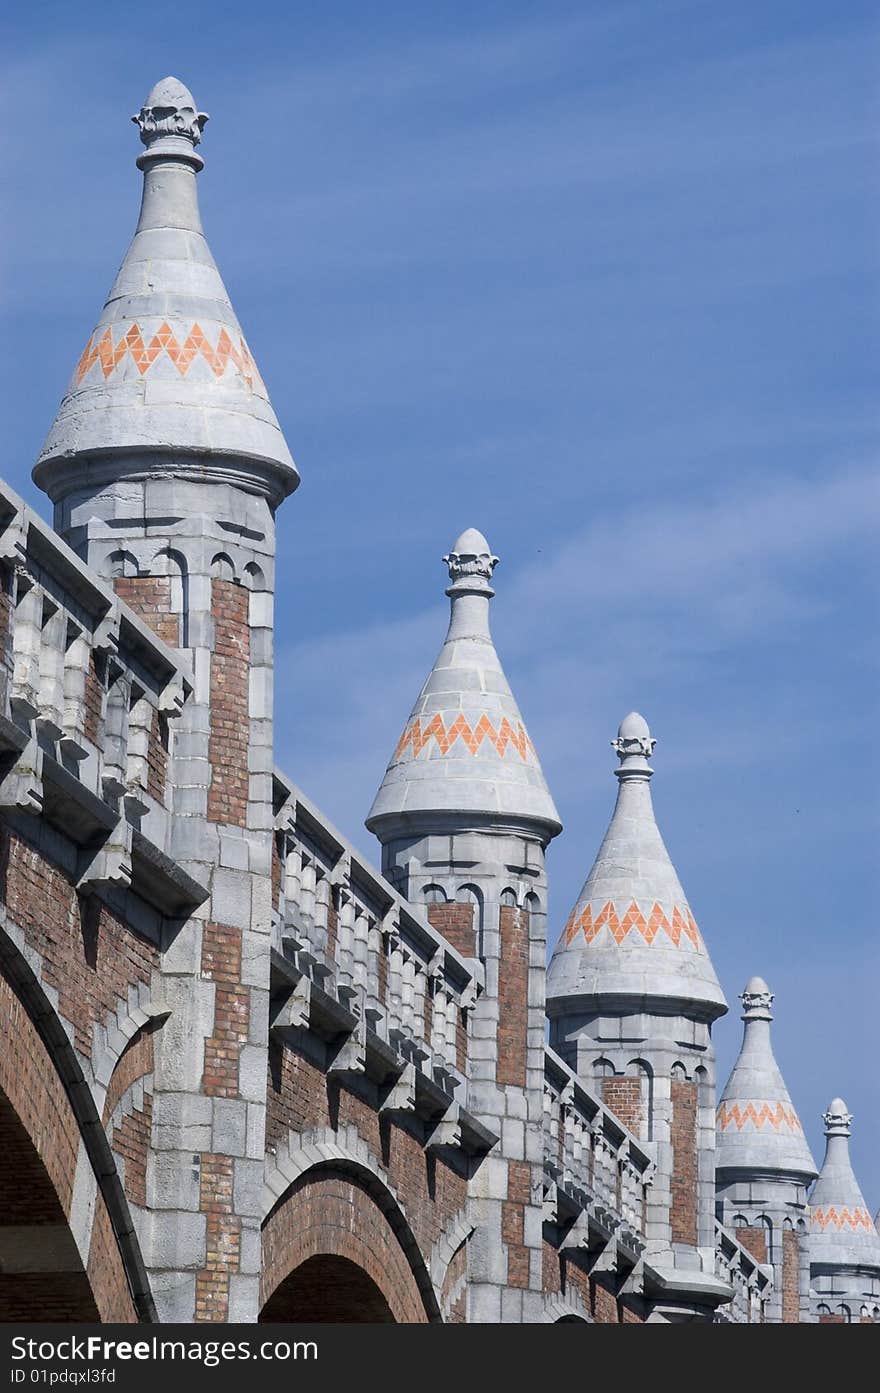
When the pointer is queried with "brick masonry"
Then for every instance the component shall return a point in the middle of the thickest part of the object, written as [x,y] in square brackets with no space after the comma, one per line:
[513,995]
[301,1098]
[755,1240]
[223,1237]
[790,1278]
[221,963]
[331,1214]
[39,1122]
[228,744]
[684,1161]
[94,701]
[89,955]
[456,923]
[150,598]
[157,757]
[513,1222]
[624,1097]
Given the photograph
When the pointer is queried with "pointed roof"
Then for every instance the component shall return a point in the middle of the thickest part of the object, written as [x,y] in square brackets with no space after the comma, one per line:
[842,1231]
[631,933]
[167,372]
[464,748]
[758,1129]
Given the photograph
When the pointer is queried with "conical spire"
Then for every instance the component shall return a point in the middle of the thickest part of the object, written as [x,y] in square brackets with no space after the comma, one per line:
[166,379]
[631,934]
[465,748]
[842,1231]
[758,1128]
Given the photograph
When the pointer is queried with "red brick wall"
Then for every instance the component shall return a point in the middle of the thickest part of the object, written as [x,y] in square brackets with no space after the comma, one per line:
[223,1238]
[519,1174]
[603,1304]
[90,956]
[157,757]
[684,1161]
[832,1320]
[150,598]
[230,728]
[131,1141]
[429,1190]
[551,1268]
[106,1273]
[131,1135]
[94,699]
[513,976]
[221,963]
[331,1214]
[630,1317]
[624,1097]
[456,923]
[332,932]
[135,1061]
[277,870]
[456,1313]
[790,1278]
[754,1240]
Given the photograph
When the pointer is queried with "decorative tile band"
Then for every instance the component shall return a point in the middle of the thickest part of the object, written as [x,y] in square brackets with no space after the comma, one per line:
[418,735]
[682,922]
[758,1115]
[841,1218]
[109,356]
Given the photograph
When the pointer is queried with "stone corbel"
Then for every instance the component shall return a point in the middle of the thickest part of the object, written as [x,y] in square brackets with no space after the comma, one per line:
[553,1209]
[401,1096]
[13,540]
[351,1057]
[447,1131]
[296,1011]
[111,865]
[633,1282]
[172,698]
[22,787]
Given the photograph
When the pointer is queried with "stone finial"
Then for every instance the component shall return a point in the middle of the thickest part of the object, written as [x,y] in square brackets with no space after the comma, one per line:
[757,999]
[634,745]
[838,1119]
[170,124]
[471,563]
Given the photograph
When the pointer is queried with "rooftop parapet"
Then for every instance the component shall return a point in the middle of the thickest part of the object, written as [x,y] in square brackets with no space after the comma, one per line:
[88,695]
[354,963]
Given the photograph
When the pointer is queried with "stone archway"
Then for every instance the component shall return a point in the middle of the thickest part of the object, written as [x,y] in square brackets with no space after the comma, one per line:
[328,1288]
[329,1247]
[42,1277]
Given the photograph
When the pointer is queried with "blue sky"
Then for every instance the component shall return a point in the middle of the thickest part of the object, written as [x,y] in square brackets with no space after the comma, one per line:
[601,280]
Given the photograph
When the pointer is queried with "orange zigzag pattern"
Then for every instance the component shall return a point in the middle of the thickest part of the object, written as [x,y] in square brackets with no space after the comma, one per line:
[840,1218]
[683,922]
[109,356]
[418,736]
[773,1114]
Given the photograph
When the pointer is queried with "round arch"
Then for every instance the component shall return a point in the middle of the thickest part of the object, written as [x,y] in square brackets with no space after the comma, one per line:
[48,1096]
[337,1243]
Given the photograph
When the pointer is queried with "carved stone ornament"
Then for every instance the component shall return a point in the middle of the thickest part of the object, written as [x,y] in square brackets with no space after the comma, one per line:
[466,564]
[634,745]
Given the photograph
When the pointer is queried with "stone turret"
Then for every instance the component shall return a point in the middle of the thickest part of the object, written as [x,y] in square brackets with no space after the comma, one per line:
[464,816]
[464,748]
[763,1164]
[166,464]
[631,995]
[166,386]
[844,1242]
